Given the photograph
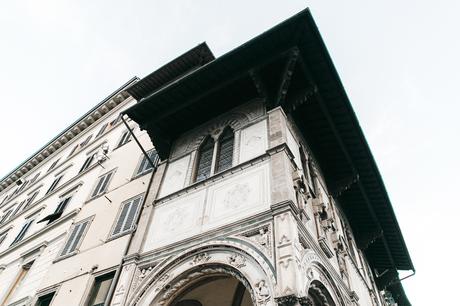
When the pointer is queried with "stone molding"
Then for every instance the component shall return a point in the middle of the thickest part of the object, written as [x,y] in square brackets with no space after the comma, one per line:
[163,282]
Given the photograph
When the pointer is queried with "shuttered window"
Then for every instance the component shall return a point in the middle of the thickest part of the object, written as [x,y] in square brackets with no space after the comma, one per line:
[75,237]
[125,138]
[31,198]
[84,143]
[34,178]
[19,207]
[87,163]
[58,211]
[3,237]
[127,216]
[53,165]
[102,184]
[205,159]
[225,151]
[23,185]
[102,130]
[54,184]
[5,216]
[23,231]
[145,165]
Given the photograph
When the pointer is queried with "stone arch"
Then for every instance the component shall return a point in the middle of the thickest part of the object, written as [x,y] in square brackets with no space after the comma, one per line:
[320,280]
[233,258]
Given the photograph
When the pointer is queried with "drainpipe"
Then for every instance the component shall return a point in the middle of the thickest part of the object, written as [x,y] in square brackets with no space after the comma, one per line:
[120,266]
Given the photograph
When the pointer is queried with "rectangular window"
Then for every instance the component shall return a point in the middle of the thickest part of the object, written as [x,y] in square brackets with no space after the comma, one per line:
[84,143]
[53,165]
[31,198]
[18,208]
[75,237]
[125,138]
[5,215]
[54,184]
[23,185]
[45,300]
[73,150]
[34,178]
[100,290]
[3,237]
[145,165]
[4,199]
[23,231]
[115,121]
[102,184]
[87,163]
[127,216]
[58,211]
[102,130]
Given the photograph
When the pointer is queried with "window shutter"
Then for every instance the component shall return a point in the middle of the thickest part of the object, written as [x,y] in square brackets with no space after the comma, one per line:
[71,239]
[2,237]
[34,178]
[205,160]
[74,238]
[31,199]
[22,232]
[5,216]
[87,163]
[102,184]
[18,208]
[54,184]
[106,182]
[124,138]
[102,130]
[132,213]
[122,218]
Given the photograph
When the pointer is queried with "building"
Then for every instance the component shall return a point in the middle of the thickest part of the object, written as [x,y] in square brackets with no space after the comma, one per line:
[261,190]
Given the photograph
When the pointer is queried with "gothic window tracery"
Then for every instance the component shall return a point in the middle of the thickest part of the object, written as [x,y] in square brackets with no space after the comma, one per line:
[215,155]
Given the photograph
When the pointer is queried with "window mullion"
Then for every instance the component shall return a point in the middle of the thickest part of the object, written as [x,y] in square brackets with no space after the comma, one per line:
[214,157]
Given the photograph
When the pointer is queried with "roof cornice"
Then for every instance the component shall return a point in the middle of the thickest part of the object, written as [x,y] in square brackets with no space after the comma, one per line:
[77,127]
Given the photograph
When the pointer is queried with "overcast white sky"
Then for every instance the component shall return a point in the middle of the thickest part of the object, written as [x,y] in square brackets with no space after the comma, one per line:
[398,60]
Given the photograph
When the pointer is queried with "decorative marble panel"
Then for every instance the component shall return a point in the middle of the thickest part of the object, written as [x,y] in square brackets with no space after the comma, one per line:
[176,220]
[175,176]
[230,200]
[253,141]
[238,197]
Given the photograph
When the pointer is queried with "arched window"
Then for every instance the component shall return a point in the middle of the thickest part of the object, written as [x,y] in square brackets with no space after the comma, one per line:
[208,162]
[205,159]
[225,151]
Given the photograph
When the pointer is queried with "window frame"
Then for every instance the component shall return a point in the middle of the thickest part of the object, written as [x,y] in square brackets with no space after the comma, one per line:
[54,184]
[133,226]
[139,163]
[107,184]
[89,292]
[23,231]
[215,154]
[124,139]
[76,250]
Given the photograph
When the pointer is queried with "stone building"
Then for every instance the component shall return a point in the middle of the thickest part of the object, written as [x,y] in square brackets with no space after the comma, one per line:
[260,190]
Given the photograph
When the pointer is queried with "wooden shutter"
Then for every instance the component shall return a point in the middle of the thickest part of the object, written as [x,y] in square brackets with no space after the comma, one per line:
[74,238]
[134,205]
[205,160]
[23,231]
[225,151]
[101,131]
[87,163]
[122,218]
[54,184]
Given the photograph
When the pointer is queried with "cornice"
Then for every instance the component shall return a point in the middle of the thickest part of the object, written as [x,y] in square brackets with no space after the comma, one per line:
[68,134]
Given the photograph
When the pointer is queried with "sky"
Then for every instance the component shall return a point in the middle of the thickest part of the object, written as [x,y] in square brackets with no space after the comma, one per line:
[398,60]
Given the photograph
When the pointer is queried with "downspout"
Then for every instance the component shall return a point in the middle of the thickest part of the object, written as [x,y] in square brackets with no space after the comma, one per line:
[120,266]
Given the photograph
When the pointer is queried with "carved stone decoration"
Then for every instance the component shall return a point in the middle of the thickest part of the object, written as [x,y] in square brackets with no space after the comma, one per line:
[287,300]
[262,238]
[237,196]
[200,259]
[161,282]
[262,293]
[237,260]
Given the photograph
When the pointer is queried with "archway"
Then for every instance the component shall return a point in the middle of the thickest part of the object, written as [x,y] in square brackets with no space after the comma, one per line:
[319,296]
[222,290]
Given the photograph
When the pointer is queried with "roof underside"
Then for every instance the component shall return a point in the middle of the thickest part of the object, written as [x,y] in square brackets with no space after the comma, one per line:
[289,66]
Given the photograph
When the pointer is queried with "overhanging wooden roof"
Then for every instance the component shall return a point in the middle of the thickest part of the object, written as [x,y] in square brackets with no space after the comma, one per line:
[289,66]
